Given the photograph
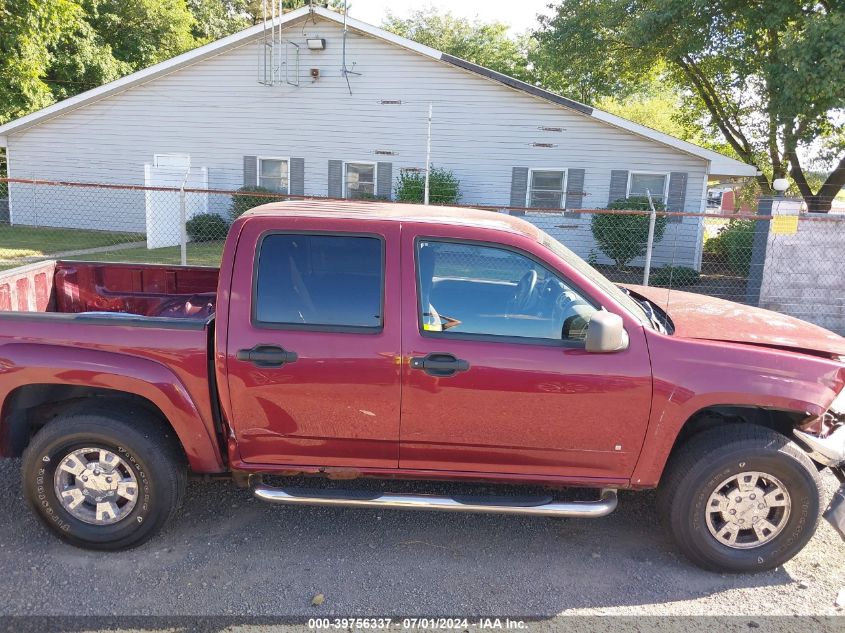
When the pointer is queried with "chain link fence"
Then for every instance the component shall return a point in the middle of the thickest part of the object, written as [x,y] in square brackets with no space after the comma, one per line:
[778,258]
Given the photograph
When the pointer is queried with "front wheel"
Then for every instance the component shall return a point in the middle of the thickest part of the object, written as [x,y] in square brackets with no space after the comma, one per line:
[740,499]
[104,481]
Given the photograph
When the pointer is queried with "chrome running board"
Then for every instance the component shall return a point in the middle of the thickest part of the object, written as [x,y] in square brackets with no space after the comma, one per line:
[531,506]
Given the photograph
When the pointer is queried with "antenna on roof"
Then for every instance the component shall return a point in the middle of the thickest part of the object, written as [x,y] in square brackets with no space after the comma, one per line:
[270,48]
[343,69]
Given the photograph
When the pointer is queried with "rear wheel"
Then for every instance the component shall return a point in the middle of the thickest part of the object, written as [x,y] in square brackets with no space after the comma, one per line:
[104,482]
[740,499]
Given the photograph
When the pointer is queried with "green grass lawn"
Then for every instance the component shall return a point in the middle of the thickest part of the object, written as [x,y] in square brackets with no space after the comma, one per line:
[30,241]
[199,253]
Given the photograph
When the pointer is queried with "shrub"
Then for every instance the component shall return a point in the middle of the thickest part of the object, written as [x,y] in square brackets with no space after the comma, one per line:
[243,203]
[674,276]
[443,186]
[733,245]
[624,237]
[361,195]
[207,227]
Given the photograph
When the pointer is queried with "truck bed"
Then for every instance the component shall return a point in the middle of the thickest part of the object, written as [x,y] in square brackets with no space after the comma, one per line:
[146,290]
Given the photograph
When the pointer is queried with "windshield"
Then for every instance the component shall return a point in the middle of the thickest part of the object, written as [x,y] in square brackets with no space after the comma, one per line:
[619,295]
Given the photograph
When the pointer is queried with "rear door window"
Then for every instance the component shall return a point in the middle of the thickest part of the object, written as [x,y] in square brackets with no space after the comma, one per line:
[319,281]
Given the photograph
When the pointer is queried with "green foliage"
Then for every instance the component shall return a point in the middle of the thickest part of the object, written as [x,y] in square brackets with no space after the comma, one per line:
[4,173]
[214,19]
[244,202]
[443,186]
[658,103]
[766,75]
[484,43]
[29,31]
[53,50]
[207,227]
[624,236]
[733,245]
[674,276]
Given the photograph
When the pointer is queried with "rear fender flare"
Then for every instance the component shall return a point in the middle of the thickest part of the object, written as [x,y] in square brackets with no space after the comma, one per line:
[23,364]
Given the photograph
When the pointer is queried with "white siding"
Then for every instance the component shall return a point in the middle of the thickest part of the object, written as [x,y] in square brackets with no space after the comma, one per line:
[217,112]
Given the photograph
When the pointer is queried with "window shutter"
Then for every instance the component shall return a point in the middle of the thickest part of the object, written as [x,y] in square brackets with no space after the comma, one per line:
[677,194]
[519,188]
[250,171]
[296,180]
[575,190]
[618,185]
[384,180]
[335,179]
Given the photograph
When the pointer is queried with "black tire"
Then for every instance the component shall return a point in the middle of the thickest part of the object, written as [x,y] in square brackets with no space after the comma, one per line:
[694,473]
[146,445]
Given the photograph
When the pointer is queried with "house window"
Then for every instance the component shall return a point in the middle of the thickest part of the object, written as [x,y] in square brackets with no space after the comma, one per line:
[273,174]
[360,180]
[641,182]
[547,188]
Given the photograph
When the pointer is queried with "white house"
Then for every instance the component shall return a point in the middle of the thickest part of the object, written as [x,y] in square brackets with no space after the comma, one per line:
[315,107]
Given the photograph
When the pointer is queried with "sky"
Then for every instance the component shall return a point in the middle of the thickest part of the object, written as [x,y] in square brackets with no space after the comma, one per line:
[519,15]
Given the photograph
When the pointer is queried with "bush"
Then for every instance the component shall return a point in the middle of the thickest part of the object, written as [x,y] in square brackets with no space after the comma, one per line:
[207,227]
[243,203]
[624,237]
[674,276]
[733,245]
[443,187]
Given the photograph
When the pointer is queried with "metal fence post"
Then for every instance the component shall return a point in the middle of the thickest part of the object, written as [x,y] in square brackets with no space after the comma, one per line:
[758,253]
[652,218]
[427,158]
[183,219]
[183,238]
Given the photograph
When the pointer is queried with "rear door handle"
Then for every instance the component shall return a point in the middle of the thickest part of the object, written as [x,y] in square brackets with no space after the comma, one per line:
[439,364]
[266,356]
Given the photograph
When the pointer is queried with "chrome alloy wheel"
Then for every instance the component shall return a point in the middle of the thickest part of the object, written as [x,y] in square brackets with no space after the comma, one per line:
[748,510]
[96,486]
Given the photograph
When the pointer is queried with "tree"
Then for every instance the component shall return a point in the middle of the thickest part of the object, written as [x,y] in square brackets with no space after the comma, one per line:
[218,18]
[658,103]
[766,74]
[485,43]
[30,29]
[53,50]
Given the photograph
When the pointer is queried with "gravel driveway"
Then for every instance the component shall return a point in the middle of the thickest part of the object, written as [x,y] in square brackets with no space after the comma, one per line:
[228,554]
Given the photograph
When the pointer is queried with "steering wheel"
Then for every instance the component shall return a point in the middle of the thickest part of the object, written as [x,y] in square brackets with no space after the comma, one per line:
[524,291]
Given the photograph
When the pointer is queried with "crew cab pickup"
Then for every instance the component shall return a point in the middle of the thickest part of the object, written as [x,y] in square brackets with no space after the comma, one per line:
[400,341]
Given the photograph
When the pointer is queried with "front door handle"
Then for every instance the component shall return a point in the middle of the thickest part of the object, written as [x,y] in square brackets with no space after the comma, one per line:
[439,364]
[266,356]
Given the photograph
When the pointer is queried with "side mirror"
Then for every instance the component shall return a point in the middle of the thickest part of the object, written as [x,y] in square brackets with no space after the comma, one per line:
[606,333]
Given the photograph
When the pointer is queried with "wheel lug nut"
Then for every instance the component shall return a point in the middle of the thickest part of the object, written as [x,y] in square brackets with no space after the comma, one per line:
[733,512]
[753,497]
[84,478]
[741,520]
[762,506]
[108,480]
[739,499]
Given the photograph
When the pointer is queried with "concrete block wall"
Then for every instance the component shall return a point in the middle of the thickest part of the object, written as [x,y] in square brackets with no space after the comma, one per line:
[803,271]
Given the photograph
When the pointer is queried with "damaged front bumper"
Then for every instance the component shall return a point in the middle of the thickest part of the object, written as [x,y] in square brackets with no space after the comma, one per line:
[830,451]
[835,513]
[827,451]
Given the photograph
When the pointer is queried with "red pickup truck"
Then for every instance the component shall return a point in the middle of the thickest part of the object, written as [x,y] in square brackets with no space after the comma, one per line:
[399,341]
